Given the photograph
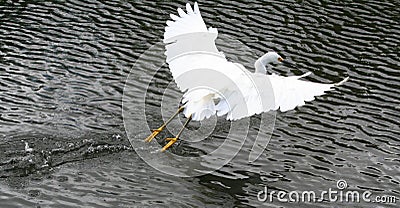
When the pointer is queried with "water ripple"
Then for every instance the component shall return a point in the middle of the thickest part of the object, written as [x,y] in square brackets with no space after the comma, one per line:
[62,70]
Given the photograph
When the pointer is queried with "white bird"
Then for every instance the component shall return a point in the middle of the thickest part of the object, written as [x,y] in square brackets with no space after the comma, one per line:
[214,85]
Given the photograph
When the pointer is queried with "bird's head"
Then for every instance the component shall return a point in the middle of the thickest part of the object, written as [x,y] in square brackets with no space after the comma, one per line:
[269,58]
[272,57]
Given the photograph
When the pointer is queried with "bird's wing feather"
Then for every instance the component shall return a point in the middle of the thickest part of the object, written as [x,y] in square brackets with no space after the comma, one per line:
[270,92]
[188,34]
[190,22]
[291,92]
[249,94]
[190,46]
[197,66]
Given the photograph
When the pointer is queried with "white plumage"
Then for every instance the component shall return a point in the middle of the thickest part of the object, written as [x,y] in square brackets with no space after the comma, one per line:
[213,85]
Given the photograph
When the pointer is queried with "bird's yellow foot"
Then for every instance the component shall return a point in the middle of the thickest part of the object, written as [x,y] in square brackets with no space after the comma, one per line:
[154,134]
[170,143]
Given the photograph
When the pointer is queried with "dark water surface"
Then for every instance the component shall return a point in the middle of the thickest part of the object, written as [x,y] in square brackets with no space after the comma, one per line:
[63,66]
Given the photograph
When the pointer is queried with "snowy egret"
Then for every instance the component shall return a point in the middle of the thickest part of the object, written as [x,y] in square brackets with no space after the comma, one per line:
[235,92]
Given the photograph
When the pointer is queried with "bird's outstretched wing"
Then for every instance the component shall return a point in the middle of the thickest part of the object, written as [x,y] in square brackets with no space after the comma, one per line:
[185,23]
[291,92]
[190,45]
[204,73]
[271,92]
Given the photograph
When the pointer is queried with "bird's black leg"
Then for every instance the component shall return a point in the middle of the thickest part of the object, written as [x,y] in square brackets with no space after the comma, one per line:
[173,140]
[157,131]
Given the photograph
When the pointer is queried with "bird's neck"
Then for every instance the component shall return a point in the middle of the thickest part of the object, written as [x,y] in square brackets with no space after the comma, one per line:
[261,64]
[260,67]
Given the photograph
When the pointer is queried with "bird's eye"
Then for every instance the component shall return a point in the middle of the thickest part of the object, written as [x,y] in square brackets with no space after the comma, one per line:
[280,59]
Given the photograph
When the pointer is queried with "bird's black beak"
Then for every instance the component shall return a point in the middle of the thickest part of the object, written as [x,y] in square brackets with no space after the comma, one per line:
[288,64]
